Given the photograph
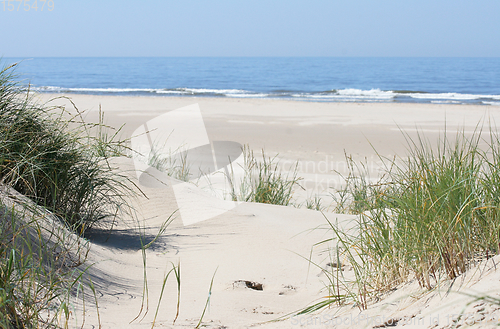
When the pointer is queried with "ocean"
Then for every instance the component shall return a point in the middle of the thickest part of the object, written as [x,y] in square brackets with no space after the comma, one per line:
[319,79]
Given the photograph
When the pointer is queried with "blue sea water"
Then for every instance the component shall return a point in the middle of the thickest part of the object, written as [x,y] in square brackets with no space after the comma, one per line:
[326,79]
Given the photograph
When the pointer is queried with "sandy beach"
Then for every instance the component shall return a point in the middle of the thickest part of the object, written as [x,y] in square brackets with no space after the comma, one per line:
[243,164]
[263,259]
[316,134]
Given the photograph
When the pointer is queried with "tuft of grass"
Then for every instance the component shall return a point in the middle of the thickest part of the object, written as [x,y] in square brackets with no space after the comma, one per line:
[59,162]
[105,140]
[263,181]
[431,217]
[37,256]
[55,174]
[175,165]
[358,194]
[315,203]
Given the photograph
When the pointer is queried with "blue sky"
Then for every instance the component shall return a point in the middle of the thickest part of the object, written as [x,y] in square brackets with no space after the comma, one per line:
[251,28]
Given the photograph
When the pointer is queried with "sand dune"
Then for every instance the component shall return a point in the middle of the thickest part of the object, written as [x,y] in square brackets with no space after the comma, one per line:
[265,244]
[251,245]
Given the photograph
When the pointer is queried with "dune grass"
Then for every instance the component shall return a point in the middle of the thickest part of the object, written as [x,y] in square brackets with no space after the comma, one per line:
[429,218]
[59,162]
[263,181]
[314,203]
[173,163]
[38,256]
[59,166]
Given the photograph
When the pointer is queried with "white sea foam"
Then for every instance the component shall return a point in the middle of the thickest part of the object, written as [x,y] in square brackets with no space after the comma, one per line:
[169,91]
[455,96]
[91,90]
[214,91]
[248,95]
[366,93]
[342,95]
[194,91]
[446,102]
[179,91]
[47,88]
[350,95]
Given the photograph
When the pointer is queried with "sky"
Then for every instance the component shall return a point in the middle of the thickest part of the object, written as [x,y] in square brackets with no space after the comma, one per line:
[158,28]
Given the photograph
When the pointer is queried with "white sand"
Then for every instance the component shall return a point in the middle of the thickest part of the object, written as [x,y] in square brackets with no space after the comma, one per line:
[256,242]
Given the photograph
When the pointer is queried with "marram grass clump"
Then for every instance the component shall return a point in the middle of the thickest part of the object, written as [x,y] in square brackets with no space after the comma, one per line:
[36,266]
[432,216]
[263,181]
[57,160]
[54,176]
